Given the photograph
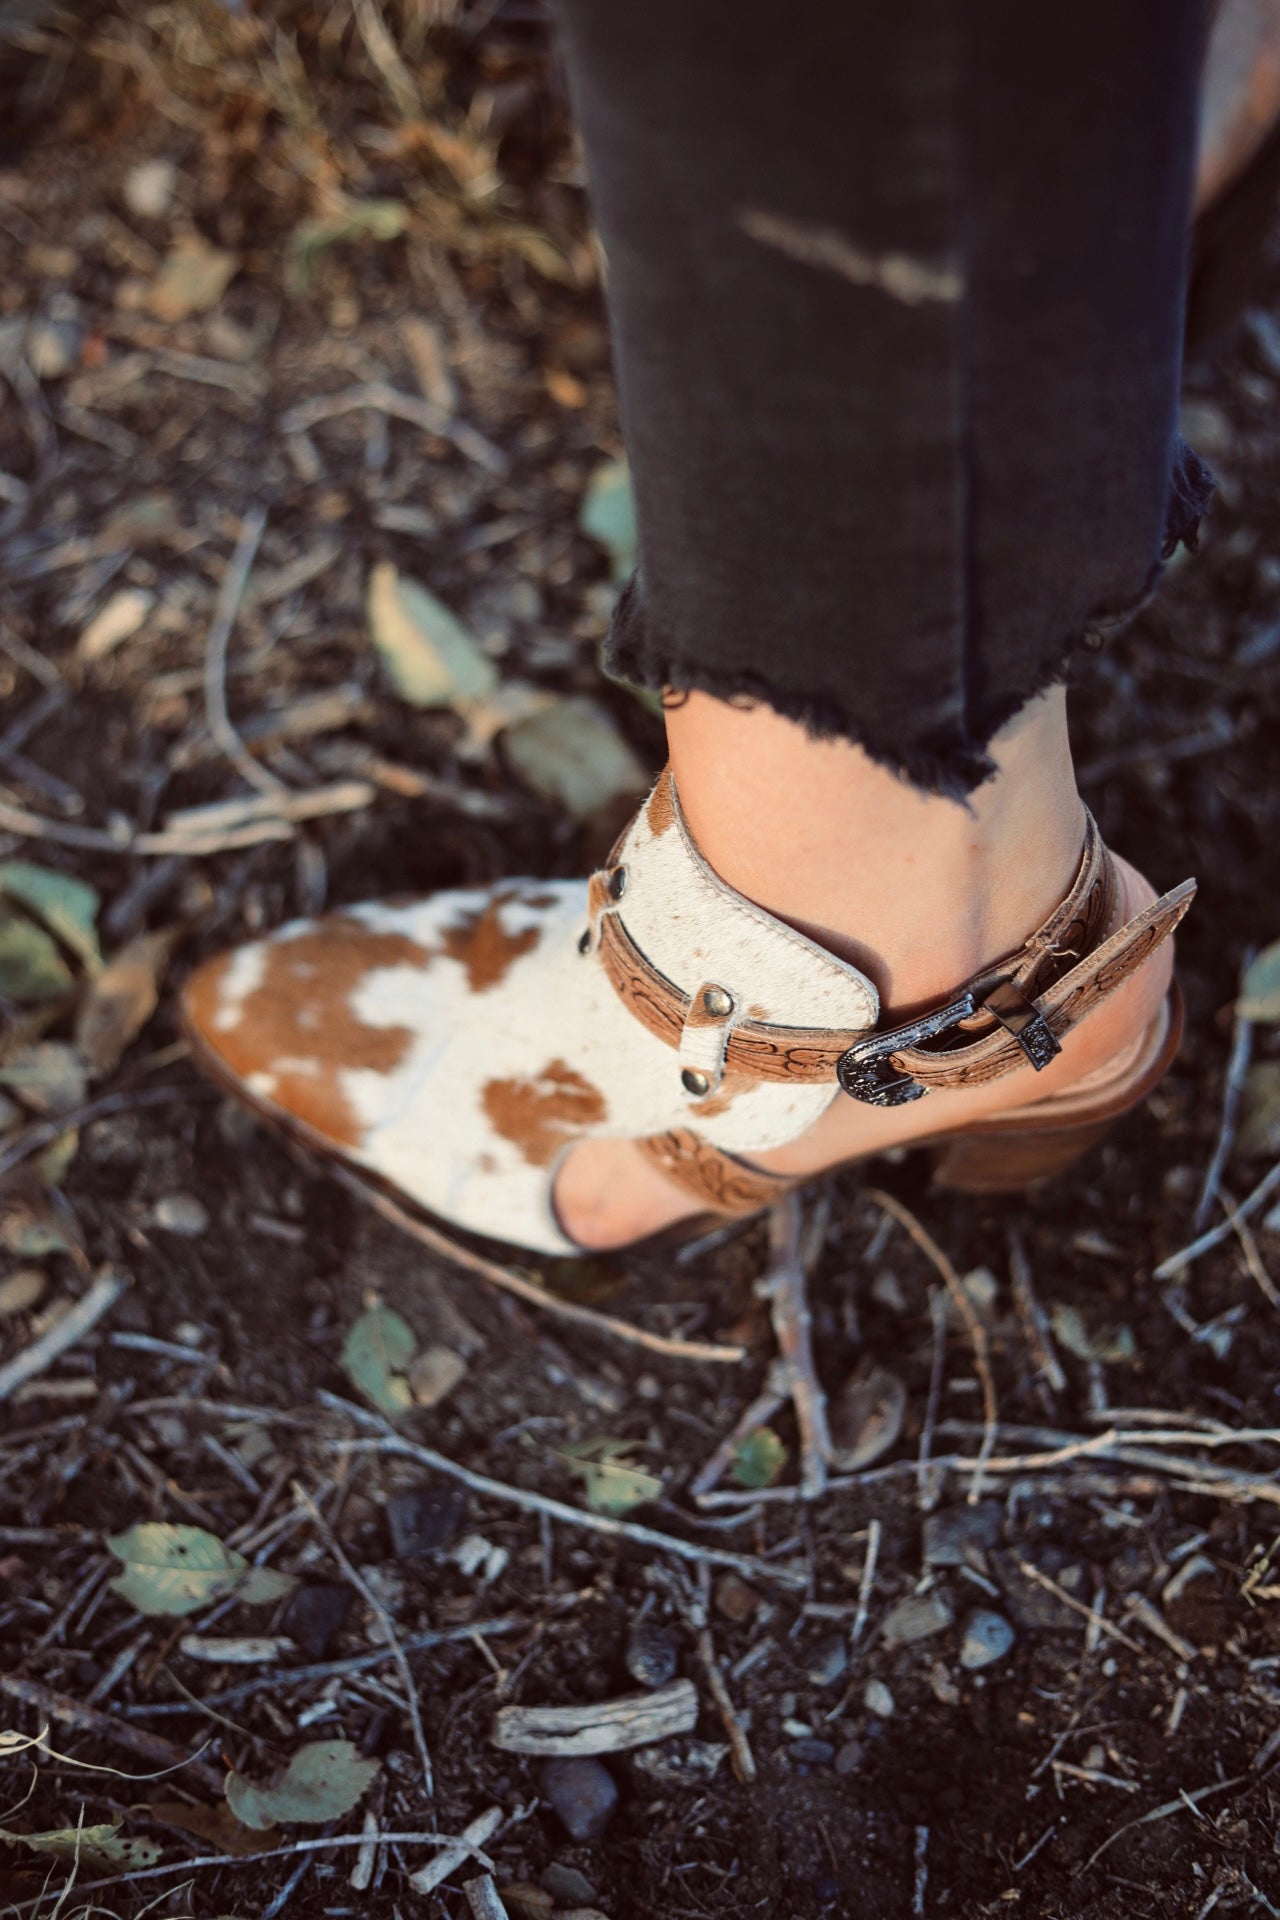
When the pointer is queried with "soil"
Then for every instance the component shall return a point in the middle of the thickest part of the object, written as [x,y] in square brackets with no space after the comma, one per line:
[1119,1761]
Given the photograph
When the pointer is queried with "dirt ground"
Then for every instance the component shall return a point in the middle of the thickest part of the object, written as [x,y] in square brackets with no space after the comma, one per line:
[1118,1761]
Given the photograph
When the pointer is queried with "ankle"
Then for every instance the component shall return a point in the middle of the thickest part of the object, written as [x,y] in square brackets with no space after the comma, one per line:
[918,891]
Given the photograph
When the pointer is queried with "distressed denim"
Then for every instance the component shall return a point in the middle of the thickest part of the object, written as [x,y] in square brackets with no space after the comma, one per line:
[897,302]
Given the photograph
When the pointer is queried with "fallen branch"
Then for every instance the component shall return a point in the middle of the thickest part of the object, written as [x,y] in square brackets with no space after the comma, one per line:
[381,398]
[230,595]
[73,1326]
[1176,1262]
[529,1290]
[466,1847]
[96,1725]
[389,1633]
[606,1726]
[965,1308]
[388,1441]
[1237,1067]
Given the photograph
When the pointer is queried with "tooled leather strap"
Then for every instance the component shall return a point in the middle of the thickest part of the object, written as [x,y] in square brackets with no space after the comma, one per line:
[1018,1009]
[719,1179]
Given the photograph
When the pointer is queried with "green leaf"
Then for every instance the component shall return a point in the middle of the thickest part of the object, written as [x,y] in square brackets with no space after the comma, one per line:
[759,1460]
[366,220]
[31,968]
[572,753]
[68,907]
[376,1355]
[178,1570]
[1260,990]
[321,1782]
[429,655]
[610,1483]
[97,1848]
[1260,1120]
[608,515]
[1113,1344]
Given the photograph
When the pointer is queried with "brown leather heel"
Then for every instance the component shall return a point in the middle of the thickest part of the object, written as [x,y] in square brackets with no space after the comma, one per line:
[1006,1156]
[1007,1163]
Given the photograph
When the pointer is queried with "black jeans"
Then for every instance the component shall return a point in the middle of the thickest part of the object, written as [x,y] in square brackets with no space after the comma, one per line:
[897,294]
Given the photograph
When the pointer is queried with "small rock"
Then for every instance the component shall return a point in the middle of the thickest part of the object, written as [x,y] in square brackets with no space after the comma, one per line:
[877,1699]
[475,1555]
[850,1757]
[734,1599]
[812,1753]
[886,1291]
[917,1617]
[651,1654]
[424,1519]
[567,1887]
[21,1290]
[691,1765]
[942,1686]
[1034,1607]
[987,1638]
[122,615]
[961,1536]
[582,1793]
[826,1661]
[180,1213]
[193,278]
[434,1374]
[867,1416]
[315,1614]
[149,187]
[525,1901]
[53,347]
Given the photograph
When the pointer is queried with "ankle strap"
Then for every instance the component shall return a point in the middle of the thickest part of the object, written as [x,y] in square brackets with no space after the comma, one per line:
[1013,1013]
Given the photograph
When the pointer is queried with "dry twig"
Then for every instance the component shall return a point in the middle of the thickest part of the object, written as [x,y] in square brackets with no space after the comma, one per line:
[1237,1067]
[1213,1236]
[73,1326]
[965,1308]
[602,1726]
[371,1599]
[231,593]
[389,1441]
[528,1290]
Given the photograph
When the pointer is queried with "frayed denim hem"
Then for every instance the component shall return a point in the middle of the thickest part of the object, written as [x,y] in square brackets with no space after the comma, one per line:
[948,763]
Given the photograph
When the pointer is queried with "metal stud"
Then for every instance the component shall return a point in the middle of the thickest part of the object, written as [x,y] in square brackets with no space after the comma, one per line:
[694,1082]
[617,883]
[717,1002]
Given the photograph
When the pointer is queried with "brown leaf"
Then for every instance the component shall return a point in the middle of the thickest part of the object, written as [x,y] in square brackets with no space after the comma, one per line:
[217,1826]
[121,999]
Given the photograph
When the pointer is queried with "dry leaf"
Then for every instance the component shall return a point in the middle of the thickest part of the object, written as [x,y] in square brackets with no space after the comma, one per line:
[432,660]
[193,278]
[121,999]
[572,753]
[321,1782]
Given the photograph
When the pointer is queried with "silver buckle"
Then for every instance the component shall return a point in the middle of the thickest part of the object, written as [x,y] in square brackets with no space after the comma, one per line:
[864,1071]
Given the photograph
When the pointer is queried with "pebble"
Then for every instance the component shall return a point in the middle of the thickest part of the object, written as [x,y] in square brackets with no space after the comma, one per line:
[435,1372]
[917,1617]
[689,1766]
[877,1699]
[315,1614]
[734,1599]
[651,1654]
[53,347]
[850,1757]
[149,187]
[567,1886]
[812,1753]
[961,1536]
[424,1519]
[122,615]
[826,1661]
[1033,1606]
[180,1213]
[987,1638]
[21,1290]
[582,1792]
